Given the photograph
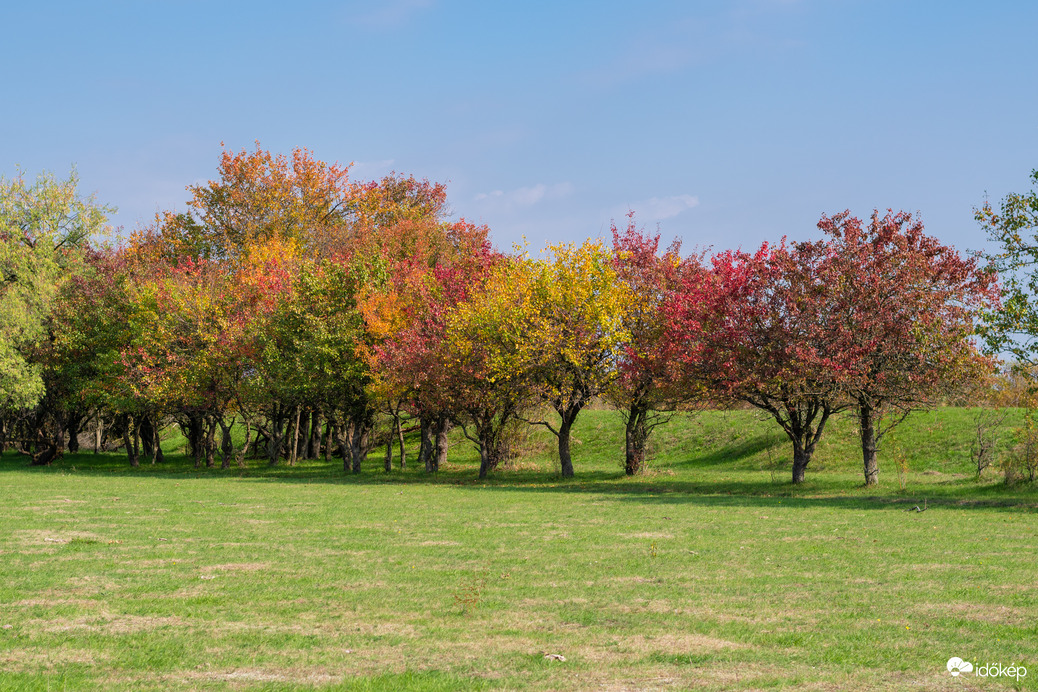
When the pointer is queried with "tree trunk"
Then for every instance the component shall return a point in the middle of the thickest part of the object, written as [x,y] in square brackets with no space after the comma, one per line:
[130,441]
[295,437]
[210,443]
[564,456]
[158,457]
[344,433]
[313,444]
[389,451]
[425,450]
[801,457]
[147,437]
[195,437]
[635,436]
[49,446]
[400,441]
[75,420]
[276,440]
[245,445]
[360,442]
[304,436]
[440,447]
[260,441]
[485,462]
[328,439]
[867,420]
[798,422]
[98,432]
[489,449]
[226,442]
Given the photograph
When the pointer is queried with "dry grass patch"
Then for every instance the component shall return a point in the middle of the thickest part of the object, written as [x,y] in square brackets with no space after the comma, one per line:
[106,624]
[53,601]
[631,580]
[47,537]
[30,660]
[676,644]
[432,543]
[984,612]
[251,676]
[326,627]
[239,567]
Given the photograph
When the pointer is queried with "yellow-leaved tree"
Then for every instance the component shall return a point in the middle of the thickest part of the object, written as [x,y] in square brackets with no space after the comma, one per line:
[577,334]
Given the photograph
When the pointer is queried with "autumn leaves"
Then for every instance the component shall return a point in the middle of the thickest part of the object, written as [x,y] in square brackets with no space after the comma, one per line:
[289,293]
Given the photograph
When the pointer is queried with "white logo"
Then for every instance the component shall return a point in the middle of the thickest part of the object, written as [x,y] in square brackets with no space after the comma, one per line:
[991,670]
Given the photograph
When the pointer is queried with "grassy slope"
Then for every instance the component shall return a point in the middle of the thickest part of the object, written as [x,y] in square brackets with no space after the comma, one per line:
[711,570]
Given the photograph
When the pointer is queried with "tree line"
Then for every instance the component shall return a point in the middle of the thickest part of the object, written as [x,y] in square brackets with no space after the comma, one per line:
[312,311]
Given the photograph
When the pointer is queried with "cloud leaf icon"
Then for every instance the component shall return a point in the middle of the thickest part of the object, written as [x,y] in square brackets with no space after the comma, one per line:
[956,665]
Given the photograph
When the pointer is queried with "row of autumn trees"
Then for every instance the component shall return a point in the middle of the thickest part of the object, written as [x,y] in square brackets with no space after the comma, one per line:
[310,311]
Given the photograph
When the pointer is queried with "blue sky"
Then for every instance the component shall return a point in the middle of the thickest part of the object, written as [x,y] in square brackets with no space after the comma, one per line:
[724,123]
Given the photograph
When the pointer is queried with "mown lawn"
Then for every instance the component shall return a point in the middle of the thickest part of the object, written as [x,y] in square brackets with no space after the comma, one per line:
[710,571]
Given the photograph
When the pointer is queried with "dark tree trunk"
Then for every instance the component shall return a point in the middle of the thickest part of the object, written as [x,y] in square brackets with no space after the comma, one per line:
[303,448]
[260,443]
[328,438]
[127,446]
[564,437]
[797,420]
[389,451]
[400,441]
[344,433]
[147,437]
[801,458]
[440,448]
[130,441]
[210,443]
[313,445]
[195,436]
[360,442]
[565,428]
[50,445]
[635,436]
[245,445]
[226,442]
[294,453]
[72,426]
[489,448]
[158,457]
[276,439]
[486,463]
[425,451]
[867,420]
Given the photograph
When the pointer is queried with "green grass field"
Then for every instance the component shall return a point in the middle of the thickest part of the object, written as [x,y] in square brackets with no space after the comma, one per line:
[709,571]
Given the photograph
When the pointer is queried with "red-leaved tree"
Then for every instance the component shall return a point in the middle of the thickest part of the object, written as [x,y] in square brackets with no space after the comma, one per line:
[649,377]
[758,332]
[902,307]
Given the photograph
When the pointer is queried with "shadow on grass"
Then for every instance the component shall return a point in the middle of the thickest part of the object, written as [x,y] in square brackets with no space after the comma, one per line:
[709,487]
[737,452]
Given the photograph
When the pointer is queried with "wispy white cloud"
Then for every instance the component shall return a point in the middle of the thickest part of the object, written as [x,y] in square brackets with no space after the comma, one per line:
[524,196]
